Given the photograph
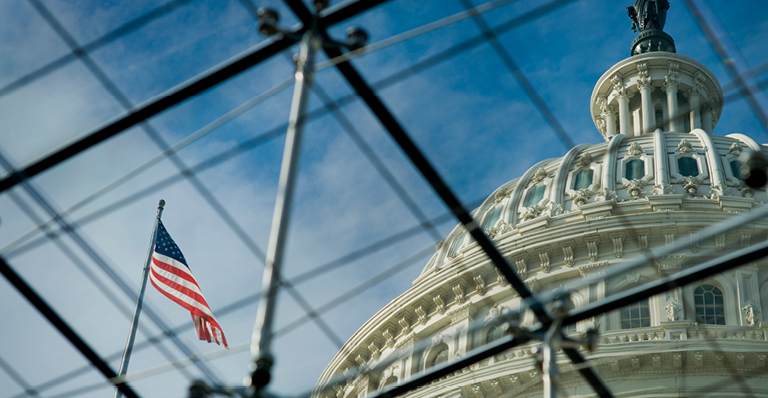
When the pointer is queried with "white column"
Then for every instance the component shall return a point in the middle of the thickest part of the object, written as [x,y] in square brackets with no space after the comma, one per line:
[609,113]
[672,108]
[638,125]
[695,114]
[624,122]
[645,85]
[623,99]
[671,86]
[706,118]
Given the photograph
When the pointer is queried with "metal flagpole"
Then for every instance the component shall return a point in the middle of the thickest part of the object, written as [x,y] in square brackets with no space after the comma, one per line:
[262,332]
[137,311]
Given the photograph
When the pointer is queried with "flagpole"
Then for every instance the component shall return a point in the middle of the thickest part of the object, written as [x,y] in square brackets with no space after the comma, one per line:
[139,301]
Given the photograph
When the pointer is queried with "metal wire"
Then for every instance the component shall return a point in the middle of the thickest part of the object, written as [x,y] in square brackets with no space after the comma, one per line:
[118,33]
[522,80]
[721,52]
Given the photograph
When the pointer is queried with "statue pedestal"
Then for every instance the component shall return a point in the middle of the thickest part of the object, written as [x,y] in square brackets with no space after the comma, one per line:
[652,40]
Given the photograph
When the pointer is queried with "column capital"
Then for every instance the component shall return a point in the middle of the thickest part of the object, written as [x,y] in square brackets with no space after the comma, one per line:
[643,79]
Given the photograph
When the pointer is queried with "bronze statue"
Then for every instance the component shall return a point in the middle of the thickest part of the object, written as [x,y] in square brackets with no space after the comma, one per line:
[648,14]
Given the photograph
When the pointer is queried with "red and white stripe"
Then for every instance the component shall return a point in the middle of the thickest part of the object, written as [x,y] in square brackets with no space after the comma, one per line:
[174,280]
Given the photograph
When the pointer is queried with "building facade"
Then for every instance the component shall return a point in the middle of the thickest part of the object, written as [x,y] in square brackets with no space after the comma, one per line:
[661,174]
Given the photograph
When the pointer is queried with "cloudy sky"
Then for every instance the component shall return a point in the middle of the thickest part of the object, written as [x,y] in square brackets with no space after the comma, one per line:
[468,113]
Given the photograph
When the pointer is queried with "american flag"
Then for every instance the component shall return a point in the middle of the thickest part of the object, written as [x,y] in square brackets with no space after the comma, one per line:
[171,275]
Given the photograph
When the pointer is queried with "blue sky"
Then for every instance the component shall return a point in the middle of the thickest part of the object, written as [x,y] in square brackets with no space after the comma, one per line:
[468,114]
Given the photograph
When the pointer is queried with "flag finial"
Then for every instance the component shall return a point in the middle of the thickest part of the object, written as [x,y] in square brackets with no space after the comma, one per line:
[161,204]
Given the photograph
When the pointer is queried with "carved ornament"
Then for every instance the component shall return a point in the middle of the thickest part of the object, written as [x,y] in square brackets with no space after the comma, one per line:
[635,149]
[684,146]
[581,197]
[635,188]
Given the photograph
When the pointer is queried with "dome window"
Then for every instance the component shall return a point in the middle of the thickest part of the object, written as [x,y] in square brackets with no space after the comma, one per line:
[494,333]
[457,245]
[688,166]
[710,306]
[635,169]
[438,355]
[583,179]
[736,169]
[535,195]
[637,315]
[492,217]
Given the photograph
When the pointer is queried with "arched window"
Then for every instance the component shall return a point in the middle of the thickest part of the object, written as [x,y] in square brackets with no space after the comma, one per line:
[736,169]
[688,166]
[535,195]
[391,380]
[635,169]
[637,315]
[492,217]
[438,356]
[583,179]
[495,332]
[710,306]
[457,244]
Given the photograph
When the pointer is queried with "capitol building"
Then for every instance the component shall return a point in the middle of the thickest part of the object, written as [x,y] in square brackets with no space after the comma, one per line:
[661,174]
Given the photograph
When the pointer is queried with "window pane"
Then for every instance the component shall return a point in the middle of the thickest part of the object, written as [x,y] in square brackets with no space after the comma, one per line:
[583,179]
[736,168]
[635,169]
[458,243]
[535,195]
[492,217]
[710,307]
[688,166]
[635,315]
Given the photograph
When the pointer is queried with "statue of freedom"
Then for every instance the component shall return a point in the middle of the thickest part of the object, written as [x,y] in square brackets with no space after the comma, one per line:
[648,14]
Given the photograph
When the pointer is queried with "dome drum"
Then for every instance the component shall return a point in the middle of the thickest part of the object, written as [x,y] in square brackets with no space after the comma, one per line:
[684,95]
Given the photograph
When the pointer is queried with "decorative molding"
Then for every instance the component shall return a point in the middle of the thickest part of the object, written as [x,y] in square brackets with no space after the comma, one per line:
[586,269]
[458,291]
[568,255]
[746,239]
[522,268]
[581,197]
[405,326]
[618,86]
[500,278]
[691,185]
[673,309]
[761,360]
[698,359]
[375,351]
[515,381]
[656,361]
[750,314]
[458,314]
[546,267]
[439,304]
[615,365]
[635,361]
[720,242]
[389,338]
[584,160]
[496,387]
[677,360]
[684,146]
[635,149]
[643,79]
[664,188]
[642,242]
[740,359]
[635,188]
[540,175]
[480,285]
[618,246]
[735,149]
[592,251]
[422,314]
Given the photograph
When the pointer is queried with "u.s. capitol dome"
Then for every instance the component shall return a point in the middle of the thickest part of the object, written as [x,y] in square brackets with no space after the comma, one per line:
[661,174]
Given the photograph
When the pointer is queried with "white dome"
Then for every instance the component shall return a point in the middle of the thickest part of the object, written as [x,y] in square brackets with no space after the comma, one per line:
[651,183]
